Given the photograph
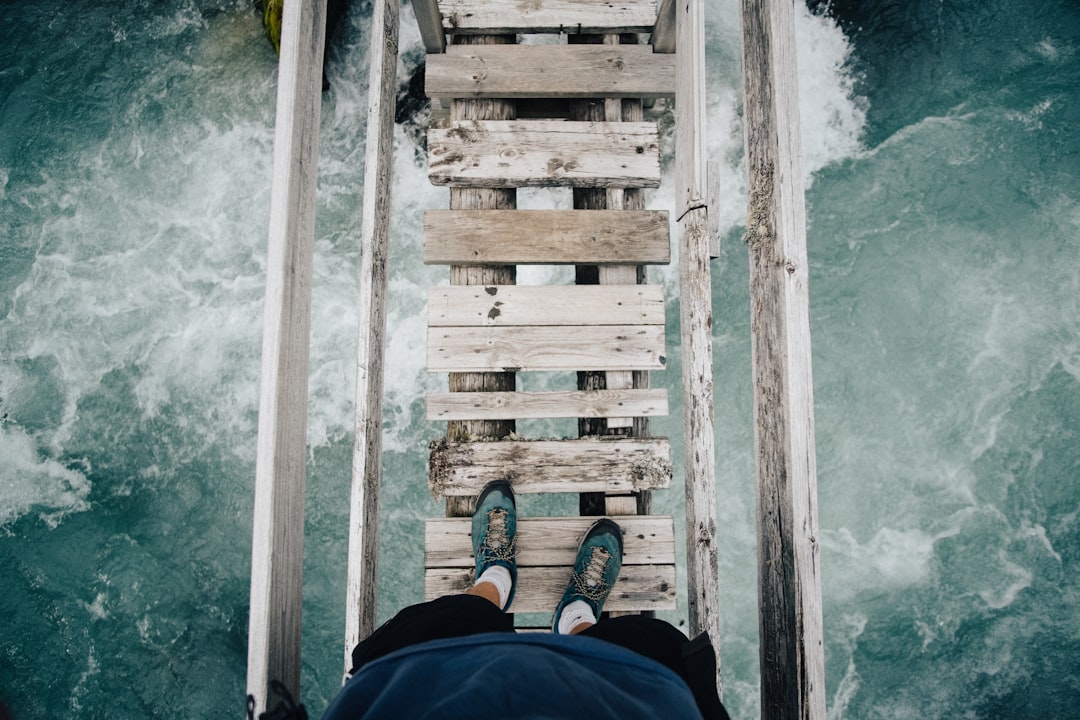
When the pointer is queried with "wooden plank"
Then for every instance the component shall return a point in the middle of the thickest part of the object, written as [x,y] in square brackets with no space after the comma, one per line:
[547,16]
[663,36]
[430,23]
[639,587]
[545,541]
[543,153]
[557,404]
[545,71]
[695,293]
[789,564]
[493,349]
[545,305]
[277,553]
[361,580]
[549,237]
[481,199]
[585,465]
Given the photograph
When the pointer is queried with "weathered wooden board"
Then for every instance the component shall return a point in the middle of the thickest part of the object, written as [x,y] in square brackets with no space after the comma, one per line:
[429,23]
[549,237]
[663,36]
[534,405]
[277,551]
[547,16]
[544,153]
[546,71]
[792,663]
[639,587]
[586,465]
[545,305]
[544,541]
[492,349]
[361,579]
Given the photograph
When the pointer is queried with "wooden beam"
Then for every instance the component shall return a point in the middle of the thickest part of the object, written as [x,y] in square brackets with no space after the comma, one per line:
[480,199]
[586,465]
[547,16]
[277,554]
[639,587]
[534,71]
[695,295]
[546,541]
[361,582]
[789,570]
[497,154]
[548,237]
[553,404]
[663,36]
[513,349]
[429,22]
[538,305]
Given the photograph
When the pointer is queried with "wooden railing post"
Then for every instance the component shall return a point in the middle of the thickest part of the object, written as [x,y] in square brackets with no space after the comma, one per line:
[789,580]
[695,300]
[361,585]
[277,554]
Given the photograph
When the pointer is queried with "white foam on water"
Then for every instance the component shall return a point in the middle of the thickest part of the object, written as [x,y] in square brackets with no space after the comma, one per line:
[30,480]
[893,559]
[832,116]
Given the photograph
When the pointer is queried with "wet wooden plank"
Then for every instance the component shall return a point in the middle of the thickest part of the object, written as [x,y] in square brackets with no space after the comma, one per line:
[547,16]
[791,652]
[639,587]
[583,465]
[549,237]
[553,404]
[545,71]
[543,541]
[544,153]
[545,305]
[496,348]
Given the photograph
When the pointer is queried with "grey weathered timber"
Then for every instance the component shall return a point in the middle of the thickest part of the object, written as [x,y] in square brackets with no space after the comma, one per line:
[789,579]
[639,587]
[695,295]
[277,552]
[551,404]
[480,199]
[498,154]
[543,541]
[663,36]
[429,22]
[547,16]
[585,465]
[549,237]
[545,305]
[517,348]
[360,599]
[534,71]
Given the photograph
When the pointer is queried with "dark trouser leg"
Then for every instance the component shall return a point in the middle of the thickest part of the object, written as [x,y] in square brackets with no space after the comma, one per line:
[660,641]
[446,617]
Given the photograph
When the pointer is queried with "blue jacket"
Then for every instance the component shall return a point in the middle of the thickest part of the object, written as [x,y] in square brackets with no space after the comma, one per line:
[508,676]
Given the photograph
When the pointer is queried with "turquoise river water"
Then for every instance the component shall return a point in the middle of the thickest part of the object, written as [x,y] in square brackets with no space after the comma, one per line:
[941,144]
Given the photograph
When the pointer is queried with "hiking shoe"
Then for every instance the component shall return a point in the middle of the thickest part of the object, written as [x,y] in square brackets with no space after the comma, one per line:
[599,559]
[494,530]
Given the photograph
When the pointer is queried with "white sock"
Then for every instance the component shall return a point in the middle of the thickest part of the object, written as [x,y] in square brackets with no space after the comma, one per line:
[498,576]
[573,615]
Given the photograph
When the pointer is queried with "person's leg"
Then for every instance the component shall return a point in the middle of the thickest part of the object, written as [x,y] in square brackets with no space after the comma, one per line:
[481,608]
[657,640]
[445,617]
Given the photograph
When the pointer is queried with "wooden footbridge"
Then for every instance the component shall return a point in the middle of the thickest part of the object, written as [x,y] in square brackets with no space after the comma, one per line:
[556,94]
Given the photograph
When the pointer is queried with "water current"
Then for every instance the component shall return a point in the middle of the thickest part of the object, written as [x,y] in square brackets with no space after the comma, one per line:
[941,147]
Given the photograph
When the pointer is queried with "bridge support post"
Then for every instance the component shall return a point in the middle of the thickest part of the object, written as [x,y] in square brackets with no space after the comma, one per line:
[277,555]
[789,580]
